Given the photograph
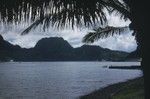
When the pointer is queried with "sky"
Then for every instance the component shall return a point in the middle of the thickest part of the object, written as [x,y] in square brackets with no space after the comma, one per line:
[124,42]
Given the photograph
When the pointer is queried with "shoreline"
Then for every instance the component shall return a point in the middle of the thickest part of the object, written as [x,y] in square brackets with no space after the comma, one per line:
[123,90]
[126,67]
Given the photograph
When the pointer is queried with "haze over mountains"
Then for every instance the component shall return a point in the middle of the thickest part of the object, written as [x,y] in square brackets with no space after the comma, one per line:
[57,49]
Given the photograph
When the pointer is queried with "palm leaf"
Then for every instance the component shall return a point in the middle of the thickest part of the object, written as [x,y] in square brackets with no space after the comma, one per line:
[62,11]
[102,33]
[36,23]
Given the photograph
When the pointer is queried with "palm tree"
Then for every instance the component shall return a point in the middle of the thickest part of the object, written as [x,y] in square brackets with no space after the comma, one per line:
[60,12]
[78,12]
[103,32]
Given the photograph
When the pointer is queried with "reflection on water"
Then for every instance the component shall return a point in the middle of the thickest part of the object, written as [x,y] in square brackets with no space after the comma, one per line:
[59,80]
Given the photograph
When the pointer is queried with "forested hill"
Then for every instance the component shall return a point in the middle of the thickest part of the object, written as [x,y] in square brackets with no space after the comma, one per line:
[57,49]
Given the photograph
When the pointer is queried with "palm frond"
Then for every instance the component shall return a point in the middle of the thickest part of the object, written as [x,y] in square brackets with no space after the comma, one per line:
[37,23]
[32,26]
[120,8]
[62,11]
[102,33]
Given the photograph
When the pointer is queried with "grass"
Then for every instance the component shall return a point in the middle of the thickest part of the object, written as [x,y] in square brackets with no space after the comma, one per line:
[132,89]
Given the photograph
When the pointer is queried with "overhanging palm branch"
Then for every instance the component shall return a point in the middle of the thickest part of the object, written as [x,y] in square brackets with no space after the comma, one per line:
[61,12]
[103,33]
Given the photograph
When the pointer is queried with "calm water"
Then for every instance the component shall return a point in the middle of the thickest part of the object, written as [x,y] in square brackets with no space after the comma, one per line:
[59,80]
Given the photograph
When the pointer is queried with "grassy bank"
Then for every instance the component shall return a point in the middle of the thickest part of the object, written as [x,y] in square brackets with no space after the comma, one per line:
[132,89]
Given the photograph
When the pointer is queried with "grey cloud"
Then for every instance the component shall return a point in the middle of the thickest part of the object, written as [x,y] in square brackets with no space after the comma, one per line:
[124,42]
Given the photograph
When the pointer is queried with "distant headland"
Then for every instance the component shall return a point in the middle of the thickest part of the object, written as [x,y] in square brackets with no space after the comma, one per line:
[58,49]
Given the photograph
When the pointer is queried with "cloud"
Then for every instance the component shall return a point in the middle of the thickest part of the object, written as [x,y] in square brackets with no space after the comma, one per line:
[123,42]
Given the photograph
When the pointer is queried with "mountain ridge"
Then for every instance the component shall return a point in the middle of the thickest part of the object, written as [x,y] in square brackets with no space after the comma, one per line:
[57,49]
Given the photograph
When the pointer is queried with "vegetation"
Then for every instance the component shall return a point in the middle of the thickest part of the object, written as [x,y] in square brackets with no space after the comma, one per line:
[57,49]
[103,33]
[61,12]
[132,89]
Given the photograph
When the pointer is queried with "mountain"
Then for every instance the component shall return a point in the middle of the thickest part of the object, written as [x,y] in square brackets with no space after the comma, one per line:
[52,49]
[134,56]
[57,49]
[7,50]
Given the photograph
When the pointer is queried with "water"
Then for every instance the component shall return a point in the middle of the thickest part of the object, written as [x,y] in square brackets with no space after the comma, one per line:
[59,80]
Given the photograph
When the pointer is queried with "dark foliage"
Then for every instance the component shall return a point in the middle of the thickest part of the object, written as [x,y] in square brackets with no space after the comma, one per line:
[12,10]
[60,12]
[101,33]
[57,49]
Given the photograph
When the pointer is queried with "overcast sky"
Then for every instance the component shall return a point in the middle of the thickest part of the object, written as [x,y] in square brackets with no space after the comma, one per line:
[123,42]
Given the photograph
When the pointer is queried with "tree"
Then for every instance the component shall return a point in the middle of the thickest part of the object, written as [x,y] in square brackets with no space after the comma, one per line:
[60,12]
[100,33]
